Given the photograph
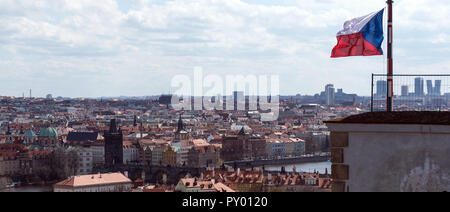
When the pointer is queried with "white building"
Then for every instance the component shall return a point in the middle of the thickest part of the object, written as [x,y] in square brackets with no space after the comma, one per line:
[276,147]
[111,182]
[86,159]
[98,154]
[130,153]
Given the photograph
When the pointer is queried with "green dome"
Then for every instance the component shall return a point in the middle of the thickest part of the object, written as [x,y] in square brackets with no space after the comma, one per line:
[48,132]
[30,133]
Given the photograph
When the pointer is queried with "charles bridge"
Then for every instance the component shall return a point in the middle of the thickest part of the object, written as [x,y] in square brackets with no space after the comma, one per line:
[154,174]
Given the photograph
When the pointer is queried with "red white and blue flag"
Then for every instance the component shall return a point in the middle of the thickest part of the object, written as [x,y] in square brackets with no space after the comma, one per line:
[361,36]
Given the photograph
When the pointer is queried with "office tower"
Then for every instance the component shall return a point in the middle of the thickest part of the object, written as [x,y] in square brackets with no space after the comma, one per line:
[437,87]
[436,90]
[419,86]
[381,88]
[405,90]
[238,95]
[329,94]
[239,100]
[430,87]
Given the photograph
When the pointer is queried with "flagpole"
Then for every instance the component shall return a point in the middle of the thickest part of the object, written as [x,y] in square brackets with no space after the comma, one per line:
[390,78]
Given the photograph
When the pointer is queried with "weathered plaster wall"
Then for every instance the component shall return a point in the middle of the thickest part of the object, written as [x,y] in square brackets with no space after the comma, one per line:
[396,157]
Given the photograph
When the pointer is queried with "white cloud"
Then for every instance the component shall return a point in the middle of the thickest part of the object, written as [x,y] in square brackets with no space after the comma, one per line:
[93,41]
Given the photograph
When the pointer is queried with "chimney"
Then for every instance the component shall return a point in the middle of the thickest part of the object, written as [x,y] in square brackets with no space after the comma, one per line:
[125,173]
[238,171]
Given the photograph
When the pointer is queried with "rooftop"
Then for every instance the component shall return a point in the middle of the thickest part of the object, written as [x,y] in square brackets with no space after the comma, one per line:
[82,136]
[410,117]
[95,180]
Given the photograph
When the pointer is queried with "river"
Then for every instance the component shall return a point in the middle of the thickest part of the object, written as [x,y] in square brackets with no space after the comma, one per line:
[29,189]
[321,167]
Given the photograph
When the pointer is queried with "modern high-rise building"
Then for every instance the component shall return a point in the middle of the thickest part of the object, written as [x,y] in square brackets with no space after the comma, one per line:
[381,88]
[405,90]
[436,90]
[113,145]
[430,87]
[329,94]
[239,100]
[419,86]
[437,87]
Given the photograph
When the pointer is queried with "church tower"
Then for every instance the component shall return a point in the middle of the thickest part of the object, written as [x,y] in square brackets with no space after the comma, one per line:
[113,145]
[180,134]
[9,136]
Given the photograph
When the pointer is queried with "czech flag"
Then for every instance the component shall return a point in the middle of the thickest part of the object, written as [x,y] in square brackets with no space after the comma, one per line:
[361,36]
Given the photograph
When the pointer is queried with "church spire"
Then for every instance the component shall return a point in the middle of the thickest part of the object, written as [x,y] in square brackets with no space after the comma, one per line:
[180,124]
[9,130]
[242,132]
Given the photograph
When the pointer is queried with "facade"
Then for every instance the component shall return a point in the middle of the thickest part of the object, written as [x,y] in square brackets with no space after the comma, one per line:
[405,90]
[9,163]
[98,153]
[419,86]
[14,159]
[276,147]
[183,155]
[113,145]
[145,155]
[381,88]
[48,137]
[204,156]
[157,155]
[434,90]
[243,146]
[391,152]
[169,156]
[130,153]
[86,160]
[111,182]
[329,94]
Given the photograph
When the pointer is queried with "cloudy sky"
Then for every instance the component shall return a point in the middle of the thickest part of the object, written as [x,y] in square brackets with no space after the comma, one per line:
[85,48]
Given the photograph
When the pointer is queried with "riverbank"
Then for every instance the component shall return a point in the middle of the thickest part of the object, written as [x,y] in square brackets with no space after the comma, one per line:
[280,162]
[5,182]
[321,167]
[36,188]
